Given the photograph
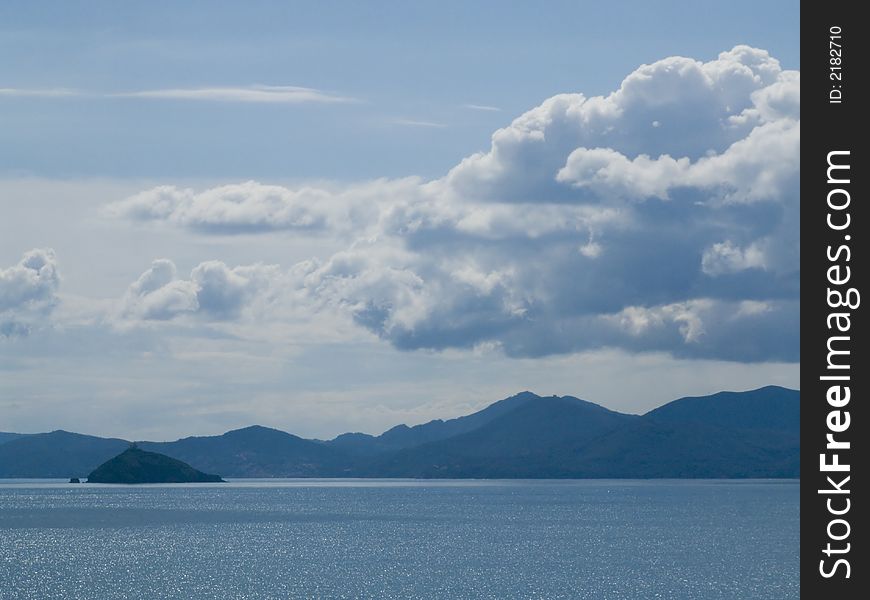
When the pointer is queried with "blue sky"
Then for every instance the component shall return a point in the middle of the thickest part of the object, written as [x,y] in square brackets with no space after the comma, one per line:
[340,216]
[402,61]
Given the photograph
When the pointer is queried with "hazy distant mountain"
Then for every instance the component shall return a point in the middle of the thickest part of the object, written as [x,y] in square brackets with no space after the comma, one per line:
[402,436]
[747,434]
[256,452]
[56,454]
[768,408]
[729,434]
[5,436]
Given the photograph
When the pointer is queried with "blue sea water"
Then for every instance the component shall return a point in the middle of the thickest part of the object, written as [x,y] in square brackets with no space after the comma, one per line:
[401,539]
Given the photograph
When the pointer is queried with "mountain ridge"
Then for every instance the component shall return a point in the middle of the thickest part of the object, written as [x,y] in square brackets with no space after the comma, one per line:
[728,434]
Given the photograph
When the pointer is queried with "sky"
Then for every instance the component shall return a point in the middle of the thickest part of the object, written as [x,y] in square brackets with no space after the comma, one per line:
[340,216]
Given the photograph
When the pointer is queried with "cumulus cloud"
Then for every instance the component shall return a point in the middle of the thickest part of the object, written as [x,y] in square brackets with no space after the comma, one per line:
[677,107]
[252,207]
[761,167]
[662,216]
[213,291]
[247,206]
[28,292]
[725,257]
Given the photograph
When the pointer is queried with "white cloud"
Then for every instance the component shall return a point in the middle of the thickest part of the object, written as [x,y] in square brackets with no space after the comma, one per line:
[245,206]
[606,171]
[757,168]
[214,291]
[725,257]
[693,102]
[159,295]
[28,292]
[253,207]
[584,225]
[687,317]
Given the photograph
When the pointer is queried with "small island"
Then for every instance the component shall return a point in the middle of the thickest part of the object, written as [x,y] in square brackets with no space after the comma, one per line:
[138,466]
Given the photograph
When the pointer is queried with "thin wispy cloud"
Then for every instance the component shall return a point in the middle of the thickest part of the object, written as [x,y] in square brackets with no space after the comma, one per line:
[482,107]
[278,94]
[417,123]
[39,93]
[269,94]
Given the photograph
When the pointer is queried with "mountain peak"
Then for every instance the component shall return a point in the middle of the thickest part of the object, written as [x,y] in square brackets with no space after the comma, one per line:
[253,429]
[259,431]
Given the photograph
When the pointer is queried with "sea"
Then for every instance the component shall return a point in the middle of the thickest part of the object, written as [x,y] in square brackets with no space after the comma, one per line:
[328,538]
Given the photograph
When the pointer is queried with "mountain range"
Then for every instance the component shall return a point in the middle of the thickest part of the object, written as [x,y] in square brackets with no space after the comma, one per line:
[724,435]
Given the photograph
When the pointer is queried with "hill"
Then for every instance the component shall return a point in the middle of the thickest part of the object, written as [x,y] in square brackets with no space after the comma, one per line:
[134,465]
